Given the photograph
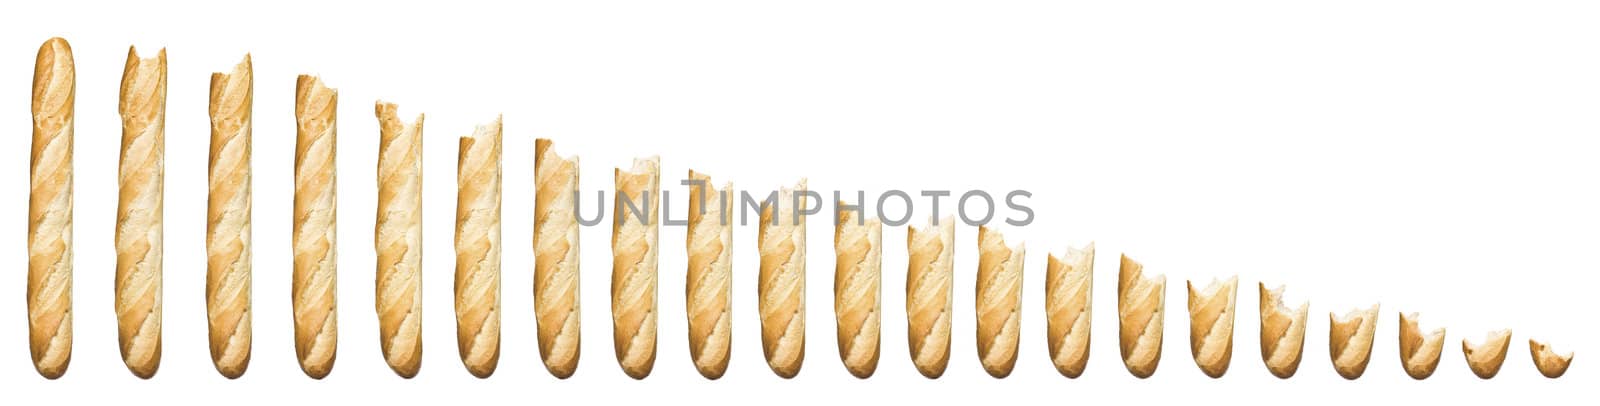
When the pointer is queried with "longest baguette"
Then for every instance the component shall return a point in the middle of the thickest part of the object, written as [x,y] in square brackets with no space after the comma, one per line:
[930,270]
[143,107]
[857,280]
[397,238]
[555,270]
[782,282]
[316,261]
[477,287]
[50,210]
[999,302]
[709,281]
[633,266]
[228,221]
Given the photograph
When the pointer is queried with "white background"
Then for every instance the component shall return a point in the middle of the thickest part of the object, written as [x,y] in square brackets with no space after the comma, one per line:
[1437,156]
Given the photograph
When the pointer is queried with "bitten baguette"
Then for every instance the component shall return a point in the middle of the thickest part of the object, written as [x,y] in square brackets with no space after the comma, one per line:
[477,288]
[782,282]
[50,210]
[228,271]
[857,280]
[1350,341]
[1550,363]
[1141,305]
[397,239]
[1283,332]
[1485,358]
[930,270]
[633,266]
[708,289]
[999,302]
[555,248]
[143,107]
[1069,283]
[1419,352]
[1211,325]
[316,261]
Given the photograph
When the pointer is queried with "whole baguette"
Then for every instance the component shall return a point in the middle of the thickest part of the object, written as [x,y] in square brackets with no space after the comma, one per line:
[930,270]
[1350,341]
[1550,363]
[633,266]
[397,238]
[1068,293]
[1419,353]
[477,288]
[781,288]
[1486,358]
[999,302]
[708,289]
[143,107]
[555,248]
[316,261]
[228,271]
[857,280]
[1141,305]
[1283,332]
[1211,325]
[50,210]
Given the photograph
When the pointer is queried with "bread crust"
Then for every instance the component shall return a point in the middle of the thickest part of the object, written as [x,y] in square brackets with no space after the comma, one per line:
[1350,341]
[1141,305]
[1419,352]
[857,290]
[555,246]
[1550,363]
[397,238]
[228,270]
[1283,332]
[999,302]
[140,170]
[782,285]
[708,288]
[1069,282]
[316,260]
[633,266]
[477,287]
[1485,359]
[1211,314]
[50,209]
[930,269]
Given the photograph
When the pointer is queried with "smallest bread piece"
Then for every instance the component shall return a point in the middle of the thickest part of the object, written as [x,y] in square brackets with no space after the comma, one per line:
[1550,363]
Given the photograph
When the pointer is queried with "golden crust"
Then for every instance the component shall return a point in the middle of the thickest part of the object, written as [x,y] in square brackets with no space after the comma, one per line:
[930,270]
[477,287]
[1069,283]
[555,247]
[782,282]
[1350,341]
[1486,358]
[633,266]
[857,290]
[1141,305]
[1550,363]
[1419,352]
[143,106]
[709,280]
[999,302]
[397,238]
[1283,332]
[228,270]
[50,210]
[1211,314]
[314,288]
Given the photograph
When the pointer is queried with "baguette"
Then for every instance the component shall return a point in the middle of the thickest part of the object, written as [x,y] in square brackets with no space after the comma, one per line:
[1283,332]
[228,270]
[143,107]
[1550,363]
[1350,341]
[1486,358]
[1211,326]
[1069,283]
[555,270]
[999,302]
[633,266]
[709,285]
[857,280]
[930,270]
[1141,305]
[782,282]
[316,261]
[50,210]
[1419,353]
[477,288]
[397,238]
